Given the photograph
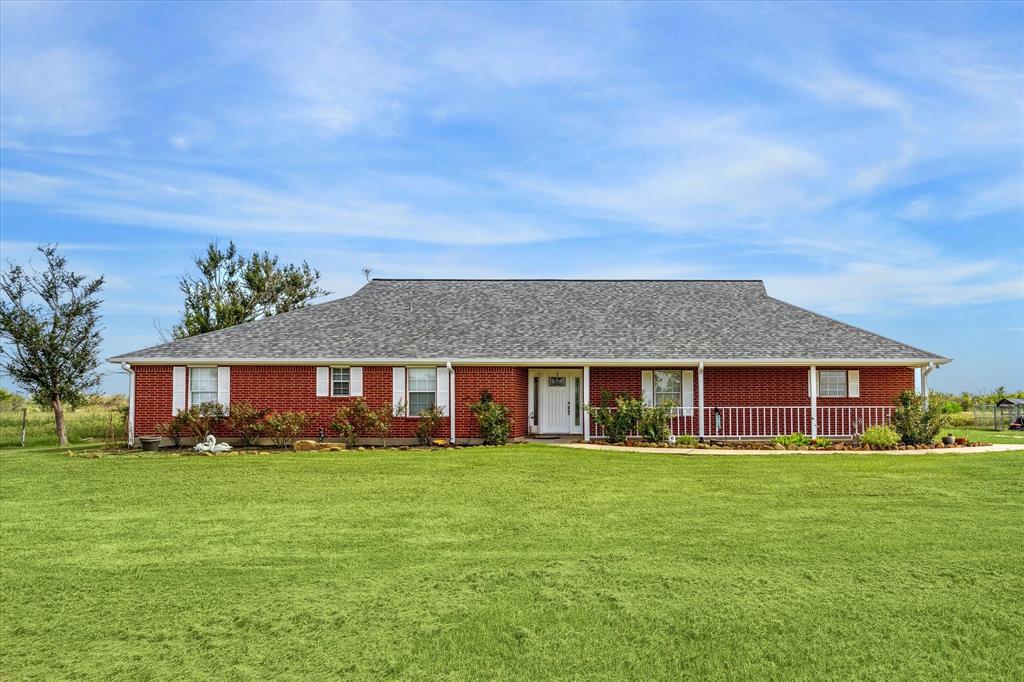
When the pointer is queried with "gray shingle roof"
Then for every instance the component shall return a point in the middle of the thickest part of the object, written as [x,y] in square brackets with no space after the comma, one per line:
[543,320]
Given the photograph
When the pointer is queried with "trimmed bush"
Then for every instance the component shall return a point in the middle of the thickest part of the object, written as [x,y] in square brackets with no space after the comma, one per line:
[248,421]
[493,418]
[352,420]
[916,424]
[284,427]
[687,441]
[880,437]
[201,420]
[428,422]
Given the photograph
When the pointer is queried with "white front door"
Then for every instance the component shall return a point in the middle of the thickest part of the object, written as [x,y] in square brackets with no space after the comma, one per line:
[559,396]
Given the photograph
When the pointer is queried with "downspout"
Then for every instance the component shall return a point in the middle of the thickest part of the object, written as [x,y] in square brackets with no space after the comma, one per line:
[451,400]
[131,402]
[925,371]
[700,401]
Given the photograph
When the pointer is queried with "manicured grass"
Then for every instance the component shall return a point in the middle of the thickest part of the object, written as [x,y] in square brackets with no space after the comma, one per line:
[985,436]
[511,563]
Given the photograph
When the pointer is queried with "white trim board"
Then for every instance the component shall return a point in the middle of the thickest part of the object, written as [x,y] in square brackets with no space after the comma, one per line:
[546,362]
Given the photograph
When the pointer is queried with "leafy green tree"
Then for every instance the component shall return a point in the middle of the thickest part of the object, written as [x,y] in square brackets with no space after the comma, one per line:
[49,325]
[232,289]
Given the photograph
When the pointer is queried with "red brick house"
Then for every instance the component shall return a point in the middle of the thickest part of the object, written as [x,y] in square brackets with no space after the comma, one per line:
[737,362]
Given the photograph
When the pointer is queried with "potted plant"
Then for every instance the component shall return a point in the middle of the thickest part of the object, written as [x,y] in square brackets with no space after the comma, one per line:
[948,439]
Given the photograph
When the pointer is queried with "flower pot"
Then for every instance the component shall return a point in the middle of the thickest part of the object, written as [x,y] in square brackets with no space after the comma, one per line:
[948,440]
[150,443]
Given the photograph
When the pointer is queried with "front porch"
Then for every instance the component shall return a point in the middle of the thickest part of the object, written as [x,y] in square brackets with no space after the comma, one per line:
[722,402]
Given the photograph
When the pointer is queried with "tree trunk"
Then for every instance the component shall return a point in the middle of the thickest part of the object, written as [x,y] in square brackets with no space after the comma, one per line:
[58,417]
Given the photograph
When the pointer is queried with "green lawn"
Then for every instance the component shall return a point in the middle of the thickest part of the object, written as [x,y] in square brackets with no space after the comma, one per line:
[511,563]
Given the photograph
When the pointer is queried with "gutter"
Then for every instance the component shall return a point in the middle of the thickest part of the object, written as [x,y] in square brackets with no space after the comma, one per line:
[544,362]
[131,402]
[925,371]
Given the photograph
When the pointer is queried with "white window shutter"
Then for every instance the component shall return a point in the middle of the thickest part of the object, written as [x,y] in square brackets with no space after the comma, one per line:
[177,390]
[441,394]
[647,382]
[323,382]
[355,381]
[687,393]
[853,383]
[224,387]
[398,387]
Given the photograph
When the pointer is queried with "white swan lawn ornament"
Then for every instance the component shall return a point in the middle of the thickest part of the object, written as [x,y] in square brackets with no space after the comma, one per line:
[211,445]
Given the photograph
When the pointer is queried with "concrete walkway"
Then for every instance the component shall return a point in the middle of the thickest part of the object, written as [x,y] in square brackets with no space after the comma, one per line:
[724,451]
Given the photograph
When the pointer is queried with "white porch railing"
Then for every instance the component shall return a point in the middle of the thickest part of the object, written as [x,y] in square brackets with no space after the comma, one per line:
[769,421]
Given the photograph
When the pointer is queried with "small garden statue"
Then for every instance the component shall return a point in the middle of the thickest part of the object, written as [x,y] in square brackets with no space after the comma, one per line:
[211,445]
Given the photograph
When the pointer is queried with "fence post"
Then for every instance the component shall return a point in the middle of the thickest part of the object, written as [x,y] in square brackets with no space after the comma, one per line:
[24,420]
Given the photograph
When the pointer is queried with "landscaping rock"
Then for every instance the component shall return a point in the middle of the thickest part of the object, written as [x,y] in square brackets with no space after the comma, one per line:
[314,446]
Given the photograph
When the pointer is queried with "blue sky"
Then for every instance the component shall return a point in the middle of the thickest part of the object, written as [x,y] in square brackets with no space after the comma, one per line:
[866,161]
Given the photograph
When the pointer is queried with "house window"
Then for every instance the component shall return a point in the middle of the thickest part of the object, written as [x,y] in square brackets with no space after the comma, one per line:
[340,381]
[668,387]
[203,385]
[832,383]
[422,389]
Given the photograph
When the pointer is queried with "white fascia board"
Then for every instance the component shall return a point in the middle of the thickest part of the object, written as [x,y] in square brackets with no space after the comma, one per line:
[545,362]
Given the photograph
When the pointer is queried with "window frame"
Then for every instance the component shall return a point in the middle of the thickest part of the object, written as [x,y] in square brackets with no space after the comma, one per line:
[192,390]
[347,382]
[654,386]
[409,391]
[845,383]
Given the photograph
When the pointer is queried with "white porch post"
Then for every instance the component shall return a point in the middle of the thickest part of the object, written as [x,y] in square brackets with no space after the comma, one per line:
[451,401]
[586,401]
[700,401]
[814,402]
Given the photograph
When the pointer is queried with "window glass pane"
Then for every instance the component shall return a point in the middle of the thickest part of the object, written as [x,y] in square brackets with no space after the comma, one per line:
[419,402]
[422,379]
[203,382]
[832,384]
[668,386]
[340,381]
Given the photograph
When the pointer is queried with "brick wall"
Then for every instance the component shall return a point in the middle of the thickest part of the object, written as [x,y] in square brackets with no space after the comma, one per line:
[293,388]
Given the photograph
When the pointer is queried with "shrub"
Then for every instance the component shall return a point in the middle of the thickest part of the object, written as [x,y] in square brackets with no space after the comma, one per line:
[428,422]
[880,437]
[248,421]
[173,429]
[284,427]
[618,420]
[688,441]
[653,423]
[352,420]
[915,424]
[823,442]
[380,421]
[493,418]
[793,440]
[951,407]
[201,420]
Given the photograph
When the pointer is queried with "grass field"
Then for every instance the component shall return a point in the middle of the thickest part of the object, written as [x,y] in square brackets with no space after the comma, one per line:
[82,425]
[523,562]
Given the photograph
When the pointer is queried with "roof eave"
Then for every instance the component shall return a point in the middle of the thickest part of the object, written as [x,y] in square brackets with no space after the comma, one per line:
[535,362]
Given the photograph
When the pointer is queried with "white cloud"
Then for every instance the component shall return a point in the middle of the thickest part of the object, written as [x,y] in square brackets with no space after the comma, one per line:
[867,287]
[50,80]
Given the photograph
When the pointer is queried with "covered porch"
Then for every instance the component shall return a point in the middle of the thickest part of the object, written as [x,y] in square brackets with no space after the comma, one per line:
[719,402]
